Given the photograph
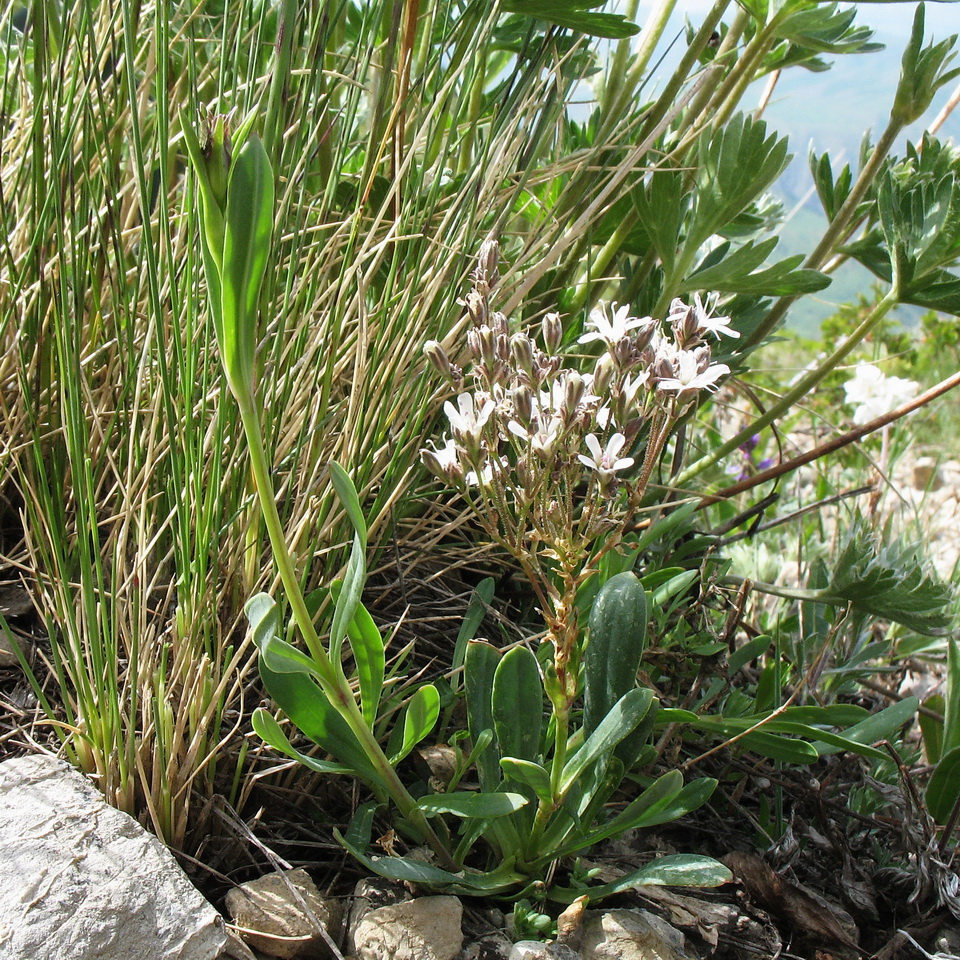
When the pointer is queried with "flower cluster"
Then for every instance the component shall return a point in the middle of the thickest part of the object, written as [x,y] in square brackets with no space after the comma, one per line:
[874,394]
[550,454]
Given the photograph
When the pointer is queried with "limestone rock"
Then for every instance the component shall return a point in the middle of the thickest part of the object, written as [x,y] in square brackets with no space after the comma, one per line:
[534,950]
[83,881]
[424,929]
[283,928]
[632,935]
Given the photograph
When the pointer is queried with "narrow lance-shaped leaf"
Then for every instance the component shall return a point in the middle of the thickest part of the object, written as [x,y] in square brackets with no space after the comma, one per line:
[248,231]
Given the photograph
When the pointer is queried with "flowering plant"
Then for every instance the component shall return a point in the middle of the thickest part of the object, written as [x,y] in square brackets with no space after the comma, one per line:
[874,394]
[555,462]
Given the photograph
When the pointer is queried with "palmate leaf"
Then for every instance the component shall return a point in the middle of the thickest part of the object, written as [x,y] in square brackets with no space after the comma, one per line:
[736,164]
[890,581]
[575,15]
[824,28]
[737,272]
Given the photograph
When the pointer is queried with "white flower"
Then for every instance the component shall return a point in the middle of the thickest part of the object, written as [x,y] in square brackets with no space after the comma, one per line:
[614,330]
[874,394]
[543,434]
[485,475]
[632,387]
[687,376]
[444,462]
[700,313]
[605,461]
[468,421]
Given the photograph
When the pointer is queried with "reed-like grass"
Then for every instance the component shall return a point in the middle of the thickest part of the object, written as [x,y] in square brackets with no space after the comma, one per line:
[403,134]
[398,151]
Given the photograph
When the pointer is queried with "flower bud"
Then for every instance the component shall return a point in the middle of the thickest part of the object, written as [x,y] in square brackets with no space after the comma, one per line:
[488,271]
[522,399]
[603,374]
[572,395]
[552,331]
[623,352]
[477,308]
[644,335]
[521,353]
[438,357]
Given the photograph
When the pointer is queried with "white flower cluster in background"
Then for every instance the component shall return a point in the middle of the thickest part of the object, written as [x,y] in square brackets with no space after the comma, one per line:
[873,394]
[529,428]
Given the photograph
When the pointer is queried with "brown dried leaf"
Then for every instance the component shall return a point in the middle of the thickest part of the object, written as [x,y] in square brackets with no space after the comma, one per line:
[806,913]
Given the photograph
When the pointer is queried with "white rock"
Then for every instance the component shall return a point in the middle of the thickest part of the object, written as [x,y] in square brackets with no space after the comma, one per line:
[283,928]
[424,929]
[83,881]
[632,935]
[535,950]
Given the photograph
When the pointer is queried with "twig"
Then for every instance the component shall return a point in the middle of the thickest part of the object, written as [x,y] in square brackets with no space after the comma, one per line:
[852,436]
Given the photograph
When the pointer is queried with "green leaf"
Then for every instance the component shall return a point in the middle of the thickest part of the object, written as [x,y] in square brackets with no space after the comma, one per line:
[748,653]
[693,796]
[626,714]
[501,880]
[944,786]
[356,573]
[890,581]
[737,273]
[476,610]
[419,718]
[530,774]
[517,704]
[879,726]
[923,72]
[278,655]
[366,643]
[682,870]
[657,797]
[267,729]
[611,661]
[480,665]
[674,586]
[951,707]
[575,15]
[661,206]
[482,806]
[314,716]
[248,231]
[932,728]
[736,163]
[361,825]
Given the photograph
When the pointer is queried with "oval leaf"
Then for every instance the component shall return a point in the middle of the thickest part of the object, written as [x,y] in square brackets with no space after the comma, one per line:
[419,718]
[943,790]
[611,661]
[483,806]
[517,704]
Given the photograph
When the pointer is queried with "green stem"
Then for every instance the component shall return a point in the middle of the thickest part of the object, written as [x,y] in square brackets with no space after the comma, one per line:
[602,259]
[681,76]
[837,230]
[615,108]
[278,83]
[774,590]
[618,65]
[800,389]
[330,676]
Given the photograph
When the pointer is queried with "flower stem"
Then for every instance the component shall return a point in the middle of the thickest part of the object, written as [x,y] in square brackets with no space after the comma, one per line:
[330,676]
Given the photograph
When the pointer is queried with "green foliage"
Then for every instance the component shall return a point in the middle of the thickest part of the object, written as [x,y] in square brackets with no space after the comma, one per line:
[575,15]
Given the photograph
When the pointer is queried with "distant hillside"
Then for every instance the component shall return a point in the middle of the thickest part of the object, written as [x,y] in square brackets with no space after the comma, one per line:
[832,111]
